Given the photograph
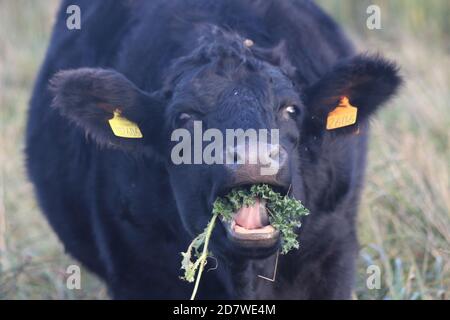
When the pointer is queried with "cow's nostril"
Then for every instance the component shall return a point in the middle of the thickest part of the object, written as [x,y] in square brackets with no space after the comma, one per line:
[236,157]
[274,150]
[283,157]
[233,155]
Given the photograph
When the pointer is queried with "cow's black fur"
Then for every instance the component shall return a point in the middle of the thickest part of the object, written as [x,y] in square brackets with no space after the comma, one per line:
[119,205]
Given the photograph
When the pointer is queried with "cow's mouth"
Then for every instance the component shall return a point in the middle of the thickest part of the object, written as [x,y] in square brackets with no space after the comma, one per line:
[250,226]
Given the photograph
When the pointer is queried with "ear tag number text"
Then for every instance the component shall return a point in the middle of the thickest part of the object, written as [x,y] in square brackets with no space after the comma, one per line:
[342,116]
[123,127]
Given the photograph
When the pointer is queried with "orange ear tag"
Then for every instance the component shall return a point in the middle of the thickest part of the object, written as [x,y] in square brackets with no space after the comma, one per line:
[342,116]
[123,127]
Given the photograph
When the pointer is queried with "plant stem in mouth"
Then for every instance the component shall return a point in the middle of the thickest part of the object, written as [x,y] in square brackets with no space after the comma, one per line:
[204,256]
[284,215]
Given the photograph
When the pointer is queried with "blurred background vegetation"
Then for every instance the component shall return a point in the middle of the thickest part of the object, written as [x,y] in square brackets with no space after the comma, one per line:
[404,221]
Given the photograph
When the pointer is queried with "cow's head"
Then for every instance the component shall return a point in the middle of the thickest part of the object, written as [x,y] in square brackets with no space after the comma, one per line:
[225,83]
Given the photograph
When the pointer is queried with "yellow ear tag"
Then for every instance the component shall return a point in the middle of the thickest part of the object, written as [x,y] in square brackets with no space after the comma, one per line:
[342,116]
[124,128]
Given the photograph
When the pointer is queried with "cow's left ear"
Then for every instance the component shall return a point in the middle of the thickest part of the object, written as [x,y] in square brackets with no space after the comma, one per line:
[366,82]
[109,108]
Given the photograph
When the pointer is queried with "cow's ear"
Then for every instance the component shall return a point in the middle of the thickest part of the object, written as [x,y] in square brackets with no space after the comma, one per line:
[109,108]
[363,81]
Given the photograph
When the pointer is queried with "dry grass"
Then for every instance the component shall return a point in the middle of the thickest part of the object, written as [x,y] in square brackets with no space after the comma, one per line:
[404,219]
[33,262]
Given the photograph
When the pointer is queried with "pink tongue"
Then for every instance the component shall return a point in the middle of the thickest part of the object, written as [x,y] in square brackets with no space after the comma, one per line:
[253,217]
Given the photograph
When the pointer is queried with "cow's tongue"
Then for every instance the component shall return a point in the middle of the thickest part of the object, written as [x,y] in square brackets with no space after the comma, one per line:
[252,217]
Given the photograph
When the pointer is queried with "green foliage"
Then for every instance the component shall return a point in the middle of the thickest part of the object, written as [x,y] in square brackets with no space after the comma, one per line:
[284,212]
[190,268]
[193,250]
[284,215]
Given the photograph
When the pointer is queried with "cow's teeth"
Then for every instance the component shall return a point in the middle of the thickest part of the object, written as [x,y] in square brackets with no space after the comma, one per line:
[241,230]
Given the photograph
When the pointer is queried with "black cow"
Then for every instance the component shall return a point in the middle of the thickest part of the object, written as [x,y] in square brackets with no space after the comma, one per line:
[126,211]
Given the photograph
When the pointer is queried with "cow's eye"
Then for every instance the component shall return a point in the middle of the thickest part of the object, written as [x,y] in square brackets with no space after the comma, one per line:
[183,119]
[290,111]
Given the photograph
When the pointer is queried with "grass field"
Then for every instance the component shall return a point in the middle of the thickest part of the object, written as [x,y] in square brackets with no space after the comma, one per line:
[404,221]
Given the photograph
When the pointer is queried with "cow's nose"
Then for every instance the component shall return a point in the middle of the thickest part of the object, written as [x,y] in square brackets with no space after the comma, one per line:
[256,154]
[256,163]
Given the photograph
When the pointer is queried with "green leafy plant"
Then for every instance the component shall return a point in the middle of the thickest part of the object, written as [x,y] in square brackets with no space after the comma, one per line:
[284,215]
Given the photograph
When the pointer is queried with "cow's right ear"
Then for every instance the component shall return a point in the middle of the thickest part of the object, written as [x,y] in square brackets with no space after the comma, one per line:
[109,108]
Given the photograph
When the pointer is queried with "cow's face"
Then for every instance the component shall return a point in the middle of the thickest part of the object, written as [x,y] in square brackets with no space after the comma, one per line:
[225,90]
[254,109]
